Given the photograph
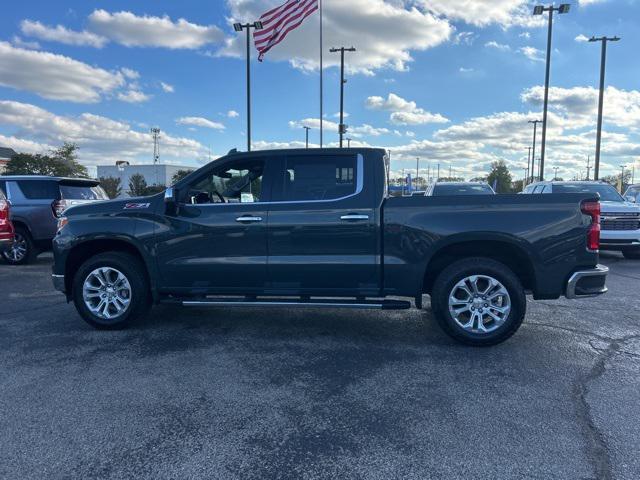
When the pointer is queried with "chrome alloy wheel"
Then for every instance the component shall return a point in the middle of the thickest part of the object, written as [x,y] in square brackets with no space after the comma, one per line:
[106,293]
[18,249]
[479,304]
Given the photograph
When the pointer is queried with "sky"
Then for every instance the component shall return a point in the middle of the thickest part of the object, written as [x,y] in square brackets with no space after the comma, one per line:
[452,82]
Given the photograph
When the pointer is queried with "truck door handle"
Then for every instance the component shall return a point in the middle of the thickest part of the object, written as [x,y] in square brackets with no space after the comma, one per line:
[352,217]
[248,218]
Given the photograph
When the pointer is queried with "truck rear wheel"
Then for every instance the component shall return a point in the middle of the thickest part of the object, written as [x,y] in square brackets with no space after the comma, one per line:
[22,251]
[478,301]
[110,290]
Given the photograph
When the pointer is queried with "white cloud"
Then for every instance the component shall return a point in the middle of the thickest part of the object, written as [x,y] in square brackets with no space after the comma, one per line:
[148,31]
[167,88]
[498,46]
[133,96]
[130,74]
[21,43]
[464,38]
[384,33]
[232,114]
[21,145]
[403,112]
[357,131]
[579,104]
[466,70]
[581,38]
[55,76]
[524,35]
[506,13]
[200,122]
[533,54]
[101,139]
[61,34]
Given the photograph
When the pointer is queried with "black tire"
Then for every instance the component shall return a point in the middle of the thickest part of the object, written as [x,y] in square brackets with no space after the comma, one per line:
[632,253]
[458,271]
[23,238]
[140,294]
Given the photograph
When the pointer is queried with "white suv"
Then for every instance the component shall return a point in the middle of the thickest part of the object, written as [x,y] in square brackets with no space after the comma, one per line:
[620,220]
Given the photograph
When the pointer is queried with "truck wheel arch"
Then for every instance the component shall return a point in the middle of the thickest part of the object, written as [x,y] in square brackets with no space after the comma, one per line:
[89,248]
[506,252]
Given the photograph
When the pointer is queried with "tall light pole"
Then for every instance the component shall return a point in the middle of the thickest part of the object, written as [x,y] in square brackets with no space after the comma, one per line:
[342,128]
[622,179]
[348,142]
[533,156]
[306,135]
[555,172]
[539,10]
[155,132]
[417,170]
[526,180]
[238,27]
[603,60]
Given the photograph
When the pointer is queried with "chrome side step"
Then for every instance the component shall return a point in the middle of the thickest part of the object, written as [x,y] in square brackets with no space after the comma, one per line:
[315,303]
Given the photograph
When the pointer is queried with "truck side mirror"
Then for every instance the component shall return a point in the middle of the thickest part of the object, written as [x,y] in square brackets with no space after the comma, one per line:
[169,195]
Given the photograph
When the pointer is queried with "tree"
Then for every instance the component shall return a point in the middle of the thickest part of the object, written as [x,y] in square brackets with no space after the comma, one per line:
[112,186]
[61,162]
[501,176]
[451,179]
[153,189]
[137,185]
[615,180]
[478,179]
[179,175]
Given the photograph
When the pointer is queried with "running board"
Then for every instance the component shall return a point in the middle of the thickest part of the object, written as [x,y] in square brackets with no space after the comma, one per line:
[316,303]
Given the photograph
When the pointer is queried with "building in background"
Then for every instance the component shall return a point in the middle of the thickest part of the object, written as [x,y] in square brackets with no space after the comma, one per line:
[5,156]
[154,174]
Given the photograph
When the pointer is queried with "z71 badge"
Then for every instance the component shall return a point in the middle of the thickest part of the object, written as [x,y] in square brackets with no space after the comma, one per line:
[136,206]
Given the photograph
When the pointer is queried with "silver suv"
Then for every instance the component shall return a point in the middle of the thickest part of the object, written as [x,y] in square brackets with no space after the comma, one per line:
[36,204]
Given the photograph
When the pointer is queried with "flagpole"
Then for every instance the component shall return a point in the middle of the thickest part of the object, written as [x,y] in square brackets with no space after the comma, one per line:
[321,91]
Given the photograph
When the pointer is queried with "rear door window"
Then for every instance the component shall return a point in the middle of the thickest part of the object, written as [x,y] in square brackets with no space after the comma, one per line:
[82,192]
[313,178]
[39,189]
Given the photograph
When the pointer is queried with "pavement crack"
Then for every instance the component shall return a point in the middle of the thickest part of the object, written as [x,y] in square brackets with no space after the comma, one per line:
[597,450]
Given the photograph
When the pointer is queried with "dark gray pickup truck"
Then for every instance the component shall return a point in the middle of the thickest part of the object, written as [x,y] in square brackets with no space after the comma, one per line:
[315,228]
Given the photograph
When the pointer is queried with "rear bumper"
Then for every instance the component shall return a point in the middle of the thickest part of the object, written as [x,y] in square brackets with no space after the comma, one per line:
[58,282]
[587,283]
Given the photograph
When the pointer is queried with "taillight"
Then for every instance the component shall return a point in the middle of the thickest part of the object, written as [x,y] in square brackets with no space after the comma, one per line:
[58,207]
[593,235]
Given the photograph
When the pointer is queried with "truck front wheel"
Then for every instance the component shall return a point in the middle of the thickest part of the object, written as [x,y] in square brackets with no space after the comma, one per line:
[110,290]
[478,301]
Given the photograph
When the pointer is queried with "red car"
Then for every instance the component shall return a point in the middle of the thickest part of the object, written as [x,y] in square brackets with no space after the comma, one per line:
[6,227]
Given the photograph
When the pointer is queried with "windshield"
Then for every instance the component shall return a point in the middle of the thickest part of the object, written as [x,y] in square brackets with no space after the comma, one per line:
[82,192]
[462,190]
[607,192]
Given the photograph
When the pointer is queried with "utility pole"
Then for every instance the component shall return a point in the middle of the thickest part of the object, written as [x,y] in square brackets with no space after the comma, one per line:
[156,151]
[539,10]
[603,60]
[417,170]
[238,27]
[342,128]
[555,172]
[526,180]
[438,175]
[306,135]
[588,167]
[533,156]
[622,179]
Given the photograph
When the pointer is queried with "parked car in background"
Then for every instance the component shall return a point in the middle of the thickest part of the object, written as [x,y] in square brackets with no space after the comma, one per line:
[316,228]
[6,227]
[633,193]
[459,188]
[36,204]
[620,219]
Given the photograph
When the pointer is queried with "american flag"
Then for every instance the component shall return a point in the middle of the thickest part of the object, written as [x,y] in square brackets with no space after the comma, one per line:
[278,22]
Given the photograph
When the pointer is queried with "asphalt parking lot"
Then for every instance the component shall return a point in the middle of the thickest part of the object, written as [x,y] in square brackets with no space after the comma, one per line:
[247,393]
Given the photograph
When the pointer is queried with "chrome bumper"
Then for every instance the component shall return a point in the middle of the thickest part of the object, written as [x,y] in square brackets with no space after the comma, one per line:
[587,283]
[58,282]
